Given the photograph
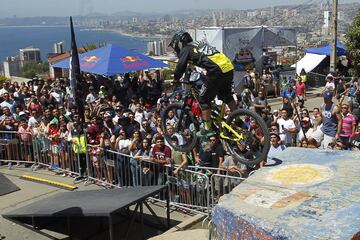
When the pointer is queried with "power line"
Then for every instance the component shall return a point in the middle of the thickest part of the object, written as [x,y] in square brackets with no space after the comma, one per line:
[285,18]
[302,5]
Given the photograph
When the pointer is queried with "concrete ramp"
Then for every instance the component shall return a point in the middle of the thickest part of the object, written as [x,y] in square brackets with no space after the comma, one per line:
[311,194]
[7,186]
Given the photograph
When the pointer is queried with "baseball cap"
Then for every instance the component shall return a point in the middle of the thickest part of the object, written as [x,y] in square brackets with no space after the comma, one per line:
[275,134]
[329,76]
[328,95]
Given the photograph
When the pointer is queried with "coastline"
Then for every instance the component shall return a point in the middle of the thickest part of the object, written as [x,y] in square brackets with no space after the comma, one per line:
[116,30]
[32,26]
[135,34]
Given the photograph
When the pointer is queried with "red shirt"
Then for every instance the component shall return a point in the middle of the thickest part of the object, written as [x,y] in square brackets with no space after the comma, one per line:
[35,107]
[161,154]
[52,133]
[300,88]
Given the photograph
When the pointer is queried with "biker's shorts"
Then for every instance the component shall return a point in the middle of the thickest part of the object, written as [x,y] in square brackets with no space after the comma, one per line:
[220,85]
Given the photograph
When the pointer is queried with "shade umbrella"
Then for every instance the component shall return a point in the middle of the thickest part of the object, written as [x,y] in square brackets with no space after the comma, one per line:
[326,50]
[111,60]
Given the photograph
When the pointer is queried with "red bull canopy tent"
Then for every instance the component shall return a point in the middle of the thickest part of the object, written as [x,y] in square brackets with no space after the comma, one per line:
[111,60]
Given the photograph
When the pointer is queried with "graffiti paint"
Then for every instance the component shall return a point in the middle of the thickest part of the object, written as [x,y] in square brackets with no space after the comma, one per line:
[314,194]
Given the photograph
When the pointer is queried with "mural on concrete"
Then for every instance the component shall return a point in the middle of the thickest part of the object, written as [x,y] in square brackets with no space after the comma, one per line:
[312,195]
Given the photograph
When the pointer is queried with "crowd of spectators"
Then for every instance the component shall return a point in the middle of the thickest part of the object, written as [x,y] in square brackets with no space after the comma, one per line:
[120,114]
[334,124]
[123,114]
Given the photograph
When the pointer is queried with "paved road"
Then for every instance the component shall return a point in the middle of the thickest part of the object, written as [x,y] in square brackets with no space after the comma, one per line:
[31,192]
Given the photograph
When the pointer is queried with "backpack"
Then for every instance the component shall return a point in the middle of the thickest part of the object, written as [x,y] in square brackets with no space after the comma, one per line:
[220,59]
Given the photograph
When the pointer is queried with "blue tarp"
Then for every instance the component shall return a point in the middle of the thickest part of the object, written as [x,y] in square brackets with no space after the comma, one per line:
[341,51]
[111,60]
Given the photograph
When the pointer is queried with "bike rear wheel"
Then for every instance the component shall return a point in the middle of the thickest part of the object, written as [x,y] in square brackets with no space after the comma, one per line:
[255,143]
[184,127]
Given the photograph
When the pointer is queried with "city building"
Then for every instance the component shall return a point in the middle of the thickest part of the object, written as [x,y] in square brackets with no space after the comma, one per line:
[215,20]
[29,55]
[59,47]
[11,66]
[326,28]
[58,72]
[157,47]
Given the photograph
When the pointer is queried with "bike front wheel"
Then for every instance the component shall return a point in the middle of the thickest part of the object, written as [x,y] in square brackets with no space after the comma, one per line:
[246,137]
[180,126]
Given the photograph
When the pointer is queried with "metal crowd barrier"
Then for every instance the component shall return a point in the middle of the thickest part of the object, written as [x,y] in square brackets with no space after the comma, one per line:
[16,149]
[198,189]
[57,155]
[116,169]
[222,184]
[193,189]
[189,190]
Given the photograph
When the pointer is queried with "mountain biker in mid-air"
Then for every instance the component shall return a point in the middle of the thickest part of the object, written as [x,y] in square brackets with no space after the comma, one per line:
[219,74]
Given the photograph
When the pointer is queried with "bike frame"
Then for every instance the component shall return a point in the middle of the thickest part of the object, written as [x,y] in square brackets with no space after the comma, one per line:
[219,120]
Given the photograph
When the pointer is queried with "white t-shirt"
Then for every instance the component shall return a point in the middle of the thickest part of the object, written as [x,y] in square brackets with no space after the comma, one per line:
[3,91]
[316,133]
[57,96]
[139,116]
[329,86]
[90,98]
[32,121]
[285,136]
[124,143]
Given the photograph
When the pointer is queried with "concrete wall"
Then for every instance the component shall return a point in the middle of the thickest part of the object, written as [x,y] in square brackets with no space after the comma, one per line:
[311,194]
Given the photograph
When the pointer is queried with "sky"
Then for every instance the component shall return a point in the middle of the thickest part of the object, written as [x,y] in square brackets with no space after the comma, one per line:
[31,8]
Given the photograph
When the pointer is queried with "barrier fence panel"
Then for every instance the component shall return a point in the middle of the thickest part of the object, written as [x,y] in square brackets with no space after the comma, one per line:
[222,184]
[189,190]
[57,155]
[115,169]
[195,188]
[16,148]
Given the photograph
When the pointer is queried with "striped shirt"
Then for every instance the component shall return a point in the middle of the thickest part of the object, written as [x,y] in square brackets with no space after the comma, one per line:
[347,125]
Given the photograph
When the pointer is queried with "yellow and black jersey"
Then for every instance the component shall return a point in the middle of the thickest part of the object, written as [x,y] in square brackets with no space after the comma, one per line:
[215,64]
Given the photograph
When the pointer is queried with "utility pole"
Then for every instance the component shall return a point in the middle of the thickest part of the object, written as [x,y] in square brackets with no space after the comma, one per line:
[334,37]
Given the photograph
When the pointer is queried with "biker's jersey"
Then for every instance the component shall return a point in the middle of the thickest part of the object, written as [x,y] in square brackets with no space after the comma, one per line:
[215,64]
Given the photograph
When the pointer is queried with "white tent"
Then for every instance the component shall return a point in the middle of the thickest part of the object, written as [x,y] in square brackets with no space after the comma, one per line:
[309,62]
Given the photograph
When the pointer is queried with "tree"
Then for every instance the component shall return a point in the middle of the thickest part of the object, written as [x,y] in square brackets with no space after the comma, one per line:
[2,78]
[31,70]
[92,46]
[353,45]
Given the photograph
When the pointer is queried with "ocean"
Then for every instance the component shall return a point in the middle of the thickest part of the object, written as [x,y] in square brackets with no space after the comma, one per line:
[14,38]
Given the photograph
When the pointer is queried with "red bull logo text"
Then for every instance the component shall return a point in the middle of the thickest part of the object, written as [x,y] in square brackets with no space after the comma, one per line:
[89,61]
[129,59]
[130,62]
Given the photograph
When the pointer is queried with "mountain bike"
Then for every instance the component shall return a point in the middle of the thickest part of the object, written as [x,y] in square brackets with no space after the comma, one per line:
[243,133]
